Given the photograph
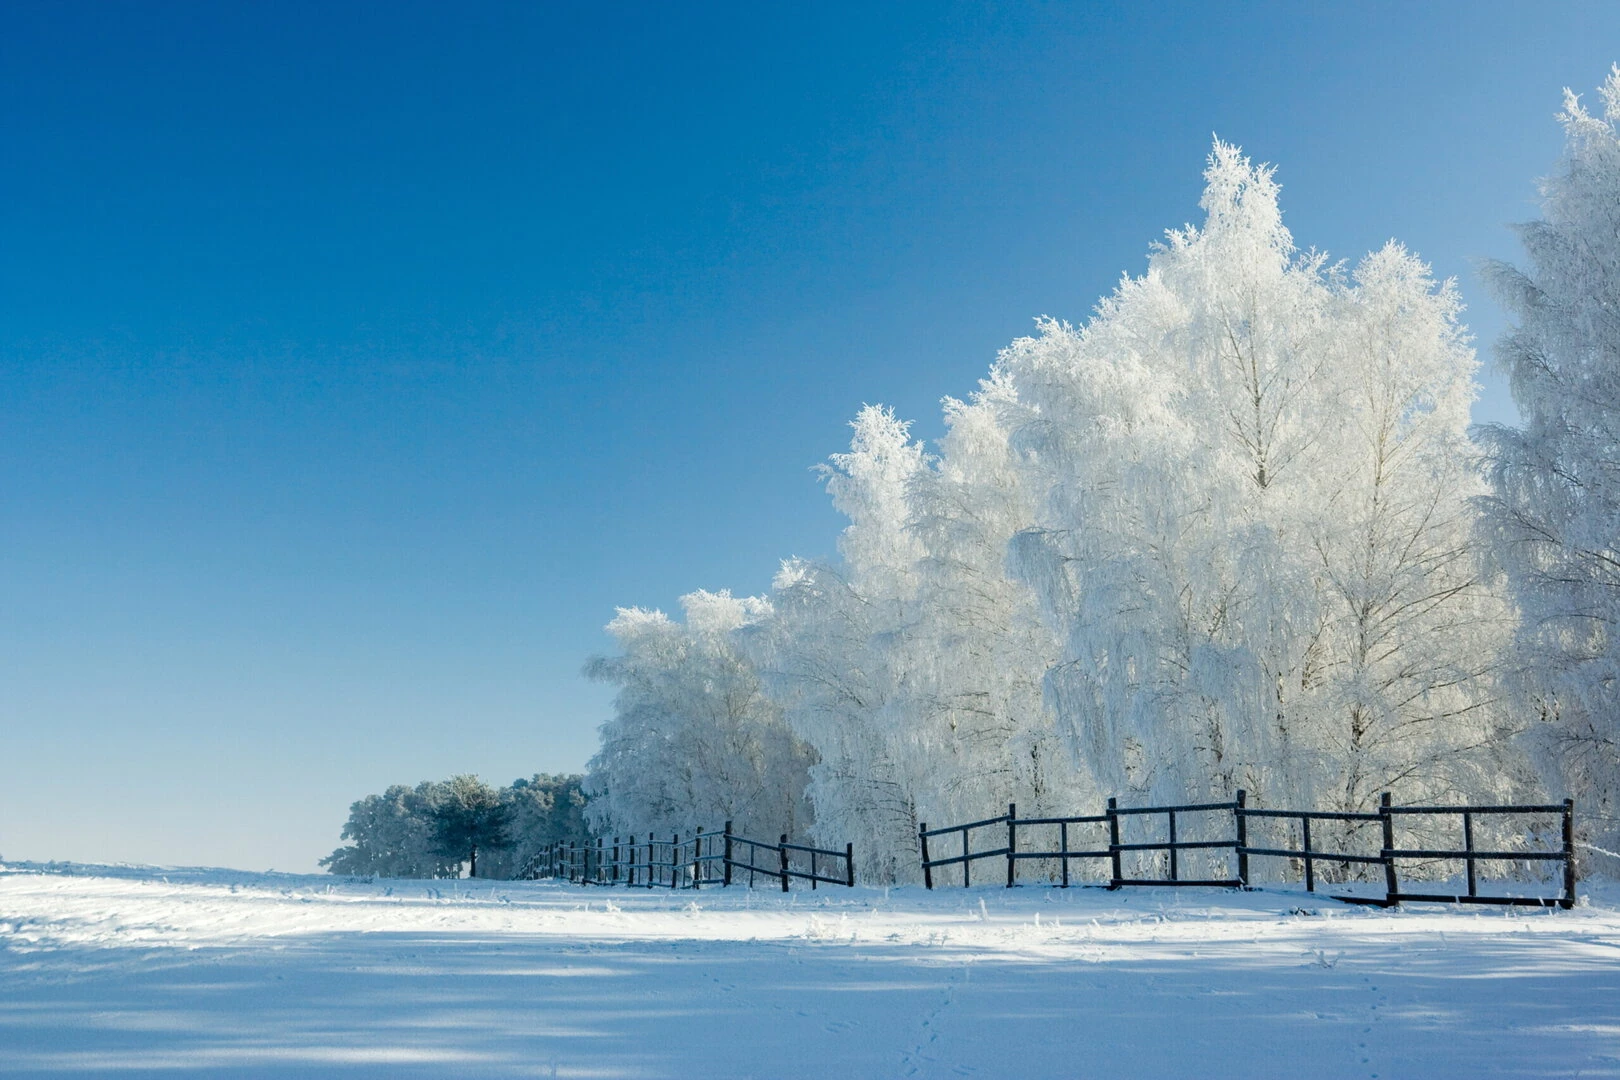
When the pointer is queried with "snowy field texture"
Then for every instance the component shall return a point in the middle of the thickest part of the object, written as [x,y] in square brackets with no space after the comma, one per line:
[133,971]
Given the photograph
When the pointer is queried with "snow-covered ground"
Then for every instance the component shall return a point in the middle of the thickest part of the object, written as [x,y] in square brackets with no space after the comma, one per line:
[113,971]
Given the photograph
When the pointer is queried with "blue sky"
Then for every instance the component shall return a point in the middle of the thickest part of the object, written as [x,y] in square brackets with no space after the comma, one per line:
[356,361]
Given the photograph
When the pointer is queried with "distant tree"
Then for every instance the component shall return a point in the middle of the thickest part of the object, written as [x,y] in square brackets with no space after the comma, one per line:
[543,810]
[431,829]
[469,816]
[393,836]
[1554,511]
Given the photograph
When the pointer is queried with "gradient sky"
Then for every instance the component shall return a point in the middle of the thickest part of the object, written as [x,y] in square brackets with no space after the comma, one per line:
[357,360]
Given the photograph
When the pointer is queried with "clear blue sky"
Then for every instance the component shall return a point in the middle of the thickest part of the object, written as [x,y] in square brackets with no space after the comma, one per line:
[357,360]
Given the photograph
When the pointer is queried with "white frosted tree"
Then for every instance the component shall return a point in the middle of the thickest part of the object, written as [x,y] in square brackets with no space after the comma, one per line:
[915,665]
[1256,544]
[1554,509]
[1414,626]
[984,649]
[827,652]
[394,835]
[694,741]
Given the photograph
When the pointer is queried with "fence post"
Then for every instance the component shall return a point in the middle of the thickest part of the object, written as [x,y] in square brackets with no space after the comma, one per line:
[1174,864]
[1468,846]
[1568,900]
[849,864]
[674,859]
[928,869]
[1392,887]
[1113,838]
[1310,865]
[697,859]
[630,867]
[781,849]
[1012,842]
[1242,838]
[1063,842]
[967,860]
[601,850]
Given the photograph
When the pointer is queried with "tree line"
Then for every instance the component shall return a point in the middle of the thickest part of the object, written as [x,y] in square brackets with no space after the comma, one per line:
[1232,531]
[434,829]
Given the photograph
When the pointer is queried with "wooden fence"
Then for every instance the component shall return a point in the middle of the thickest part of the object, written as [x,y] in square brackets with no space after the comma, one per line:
[703,858]
[1224,829]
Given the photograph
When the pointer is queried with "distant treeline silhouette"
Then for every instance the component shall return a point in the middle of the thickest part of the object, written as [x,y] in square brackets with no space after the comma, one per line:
[436,828]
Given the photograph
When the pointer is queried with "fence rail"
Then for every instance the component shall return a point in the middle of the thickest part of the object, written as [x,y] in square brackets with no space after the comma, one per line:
[702,859]
[1007,847]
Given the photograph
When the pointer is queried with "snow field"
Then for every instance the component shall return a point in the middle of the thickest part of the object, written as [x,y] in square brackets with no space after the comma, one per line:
[114,971]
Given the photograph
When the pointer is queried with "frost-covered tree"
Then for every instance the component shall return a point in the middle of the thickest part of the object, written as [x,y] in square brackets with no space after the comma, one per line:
[914,665]
[393,835]
[1554,510]
[983,650]
[694,740]
[826,650]
[541,810]
[1256,543]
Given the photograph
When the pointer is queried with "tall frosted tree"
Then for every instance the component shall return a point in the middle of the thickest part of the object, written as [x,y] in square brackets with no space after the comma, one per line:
[914,665]
[831,652]
[1554,509]
[694,740]
[1256,543]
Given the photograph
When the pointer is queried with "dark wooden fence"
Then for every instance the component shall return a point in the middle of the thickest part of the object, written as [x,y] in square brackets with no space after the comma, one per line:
[1232,848]
[702,859]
